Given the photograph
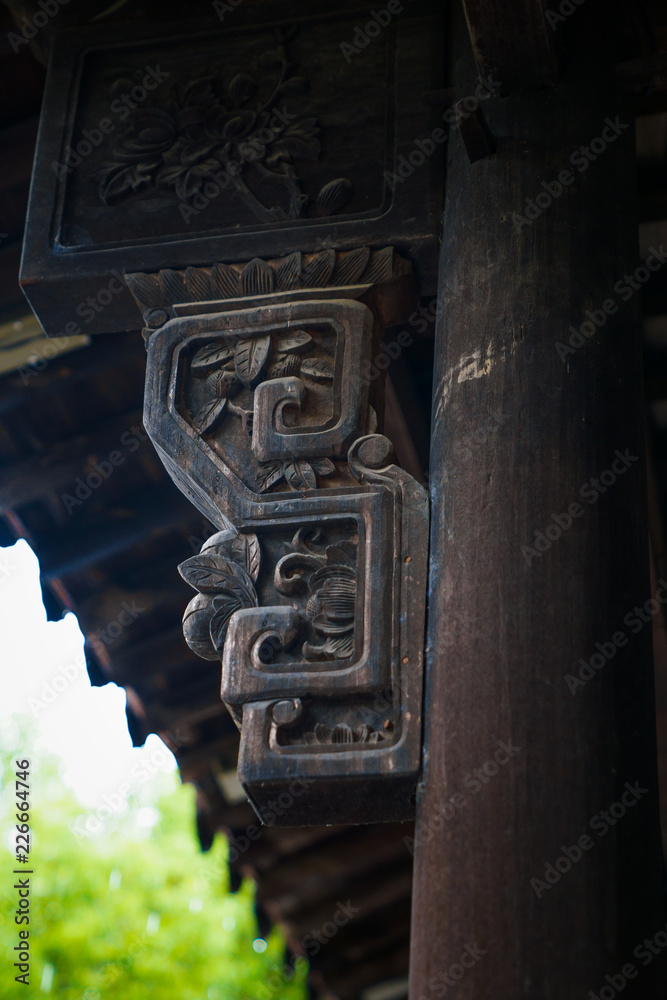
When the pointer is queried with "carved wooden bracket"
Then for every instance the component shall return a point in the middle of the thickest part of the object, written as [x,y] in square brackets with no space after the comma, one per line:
[312,593]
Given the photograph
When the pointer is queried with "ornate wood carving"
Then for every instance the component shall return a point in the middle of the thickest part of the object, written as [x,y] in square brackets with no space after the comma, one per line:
[312,593]
[177,143]
[218,122]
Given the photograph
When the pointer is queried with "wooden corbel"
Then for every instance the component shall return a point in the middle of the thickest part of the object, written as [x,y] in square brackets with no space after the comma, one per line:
[312,593]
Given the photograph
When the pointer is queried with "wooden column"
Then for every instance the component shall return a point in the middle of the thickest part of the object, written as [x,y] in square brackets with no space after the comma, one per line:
[521,763]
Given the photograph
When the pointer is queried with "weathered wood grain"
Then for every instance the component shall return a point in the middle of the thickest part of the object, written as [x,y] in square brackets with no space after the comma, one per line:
[515,46]
[506,625]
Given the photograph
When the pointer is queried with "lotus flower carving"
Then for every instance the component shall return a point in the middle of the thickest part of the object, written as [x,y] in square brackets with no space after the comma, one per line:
[329,577]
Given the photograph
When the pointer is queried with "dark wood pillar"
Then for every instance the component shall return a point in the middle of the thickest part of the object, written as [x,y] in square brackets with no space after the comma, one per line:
[538,863]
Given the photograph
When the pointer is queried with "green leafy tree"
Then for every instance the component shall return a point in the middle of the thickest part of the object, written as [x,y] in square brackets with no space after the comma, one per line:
[135,913]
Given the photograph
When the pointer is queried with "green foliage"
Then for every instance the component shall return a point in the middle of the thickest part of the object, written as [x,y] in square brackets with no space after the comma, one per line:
[131,914]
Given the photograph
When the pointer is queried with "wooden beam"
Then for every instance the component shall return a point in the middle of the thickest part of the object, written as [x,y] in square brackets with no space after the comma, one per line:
[534,568]
[63,375]
[649,71]
[155,510]
[28,479]
[512,42]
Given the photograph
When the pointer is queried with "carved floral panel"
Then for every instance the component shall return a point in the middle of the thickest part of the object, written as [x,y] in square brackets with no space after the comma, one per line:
[168,143]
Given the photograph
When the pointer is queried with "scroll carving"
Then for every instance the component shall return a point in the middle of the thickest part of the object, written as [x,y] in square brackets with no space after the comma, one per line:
[312,593]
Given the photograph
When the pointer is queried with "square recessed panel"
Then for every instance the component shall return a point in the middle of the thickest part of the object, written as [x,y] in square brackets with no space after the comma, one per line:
[171,145]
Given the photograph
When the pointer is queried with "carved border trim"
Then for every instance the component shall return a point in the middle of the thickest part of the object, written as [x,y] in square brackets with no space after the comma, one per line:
[154,293]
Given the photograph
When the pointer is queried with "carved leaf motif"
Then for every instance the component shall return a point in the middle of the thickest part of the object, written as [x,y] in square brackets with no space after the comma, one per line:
[257,278]
[172,285]
[288,272]
[300,475]
[196,629]
[318,369]
[351,266]
[253,556]
[318,270]
[285,365]
[239,582]
[224,282]
[117,180]
[237,126]
[292,88]
[197,284]
[204,572]
[145,289]
[251,356]
[210,415]
[299,140]
[295,342]
[271,473]
[242,88]
[224,606]
[381,267]
[210,573]
[323,466]
[333,196]
[242,548]
[196,92]
[212,355]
